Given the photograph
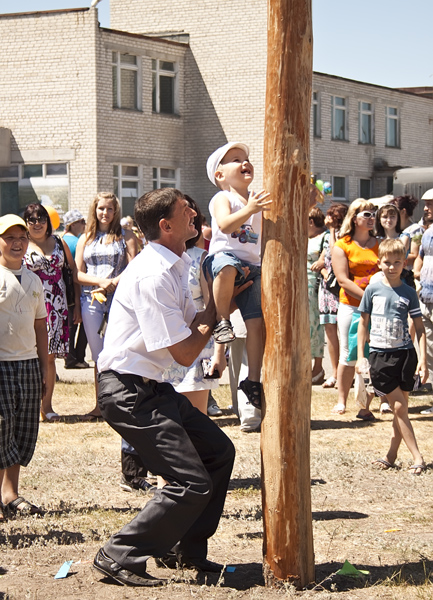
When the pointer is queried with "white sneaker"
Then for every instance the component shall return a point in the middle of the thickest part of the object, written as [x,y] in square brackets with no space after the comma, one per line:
[427,411]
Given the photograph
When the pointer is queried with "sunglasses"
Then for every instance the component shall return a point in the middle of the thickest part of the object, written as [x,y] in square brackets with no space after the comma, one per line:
[33,220]
[366,214]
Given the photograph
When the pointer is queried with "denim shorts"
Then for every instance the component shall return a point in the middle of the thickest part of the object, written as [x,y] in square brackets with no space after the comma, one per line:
[249,301]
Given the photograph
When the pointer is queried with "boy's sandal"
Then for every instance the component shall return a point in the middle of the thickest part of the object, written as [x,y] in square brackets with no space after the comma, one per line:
[414,469]
[12,509]
[382,464]
[253,391]
[223,332]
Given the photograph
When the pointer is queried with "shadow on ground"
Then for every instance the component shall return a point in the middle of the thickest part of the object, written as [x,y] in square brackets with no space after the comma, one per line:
[413,573]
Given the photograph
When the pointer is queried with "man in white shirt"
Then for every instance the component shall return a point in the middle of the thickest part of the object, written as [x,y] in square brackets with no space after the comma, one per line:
[153,322]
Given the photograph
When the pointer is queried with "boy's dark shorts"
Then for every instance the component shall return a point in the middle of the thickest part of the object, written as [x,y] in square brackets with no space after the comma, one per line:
[390,370]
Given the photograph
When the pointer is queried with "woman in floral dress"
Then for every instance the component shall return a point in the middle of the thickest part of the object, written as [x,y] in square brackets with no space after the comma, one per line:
[45,257]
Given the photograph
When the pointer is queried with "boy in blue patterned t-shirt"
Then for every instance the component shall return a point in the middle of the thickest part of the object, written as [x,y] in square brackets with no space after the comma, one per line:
[393,360]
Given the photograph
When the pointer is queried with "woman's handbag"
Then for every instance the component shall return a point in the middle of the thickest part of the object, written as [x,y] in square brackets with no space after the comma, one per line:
[332,285]
[67,278]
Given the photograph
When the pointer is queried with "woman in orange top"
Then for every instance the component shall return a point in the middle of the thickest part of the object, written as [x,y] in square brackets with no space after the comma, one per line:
[354,261]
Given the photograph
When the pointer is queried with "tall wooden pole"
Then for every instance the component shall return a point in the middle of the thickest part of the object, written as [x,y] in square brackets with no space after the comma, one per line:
[288,540]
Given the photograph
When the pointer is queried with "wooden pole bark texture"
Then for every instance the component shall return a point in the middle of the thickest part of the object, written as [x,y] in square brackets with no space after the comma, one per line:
[288,540]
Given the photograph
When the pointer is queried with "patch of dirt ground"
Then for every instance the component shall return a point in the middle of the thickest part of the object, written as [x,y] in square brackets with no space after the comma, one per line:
[380,521]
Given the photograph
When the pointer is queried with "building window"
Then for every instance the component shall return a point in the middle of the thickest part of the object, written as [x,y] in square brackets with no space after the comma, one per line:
[164,87]
[316,115]
[126,182]
[339,188]
[165,178]
[125,81]
[392,127]
[365,188]
[21,185]
[365,114]
[338,118]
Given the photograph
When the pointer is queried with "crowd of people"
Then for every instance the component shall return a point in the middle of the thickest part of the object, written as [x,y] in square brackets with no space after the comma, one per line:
[153,297]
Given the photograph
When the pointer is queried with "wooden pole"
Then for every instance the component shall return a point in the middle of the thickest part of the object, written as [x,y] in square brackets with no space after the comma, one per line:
[285,442]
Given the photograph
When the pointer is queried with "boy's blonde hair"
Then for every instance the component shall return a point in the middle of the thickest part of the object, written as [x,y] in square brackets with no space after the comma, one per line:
[392,246]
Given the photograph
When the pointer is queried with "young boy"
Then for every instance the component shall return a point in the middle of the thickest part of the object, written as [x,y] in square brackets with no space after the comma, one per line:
[393,359]
[23,363]
[234,253]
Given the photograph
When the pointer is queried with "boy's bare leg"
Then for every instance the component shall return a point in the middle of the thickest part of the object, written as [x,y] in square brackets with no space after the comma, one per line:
[9,483]
[254,346]
[223,287]
[198,399]
[398,399]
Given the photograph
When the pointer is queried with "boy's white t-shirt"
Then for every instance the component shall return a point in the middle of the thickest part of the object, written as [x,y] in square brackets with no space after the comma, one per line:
[241,242]
[20,304]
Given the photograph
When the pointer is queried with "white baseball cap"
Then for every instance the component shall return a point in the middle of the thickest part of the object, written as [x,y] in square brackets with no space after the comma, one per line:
[216,157]
[428,195]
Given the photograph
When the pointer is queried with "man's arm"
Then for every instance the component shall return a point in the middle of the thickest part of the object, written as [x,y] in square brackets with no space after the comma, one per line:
[186,351]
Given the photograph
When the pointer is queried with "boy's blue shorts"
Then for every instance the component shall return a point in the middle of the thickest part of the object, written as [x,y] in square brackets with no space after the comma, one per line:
[249,301]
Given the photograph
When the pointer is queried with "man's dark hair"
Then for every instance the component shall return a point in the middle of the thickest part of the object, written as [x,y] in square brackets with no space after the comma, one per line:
[152,207]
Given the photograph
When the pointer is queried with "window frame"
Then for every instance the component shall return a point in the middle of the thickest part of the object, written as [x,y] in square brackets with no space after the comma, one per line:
[157,72]
[369,113]
[317,125]
[392,118]
[127,67]
[361,195]
[334,196]
[158,180]
[344,109]
[121,178]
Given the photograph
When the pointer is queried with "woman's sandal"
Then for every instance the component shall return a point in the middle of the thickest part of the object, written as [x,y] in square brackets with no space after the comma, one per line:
[414,469]
[11,509]
[253,391]
[329,383]
[223,332]
[382,464]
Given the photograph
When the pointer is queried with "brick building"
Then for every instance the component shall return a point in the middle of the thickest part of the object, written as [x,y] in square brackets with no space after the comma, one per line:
[143,104]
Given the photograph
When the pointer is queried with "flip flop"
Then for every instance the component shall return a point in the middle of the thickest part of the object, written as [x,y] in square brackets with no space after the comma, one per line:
[369,416]
[414,468]
[339,409]
[382,464]
[385,408]
[319,378]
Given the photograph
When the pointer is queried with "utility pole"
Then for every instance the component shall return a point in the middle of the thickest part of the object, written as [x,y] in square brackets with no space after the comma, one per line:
[285,441]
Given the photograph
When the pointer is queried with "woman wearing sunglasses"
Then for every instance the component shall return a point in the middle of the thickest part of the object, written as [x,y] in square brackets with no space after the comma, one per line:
[45,257]
[354,261]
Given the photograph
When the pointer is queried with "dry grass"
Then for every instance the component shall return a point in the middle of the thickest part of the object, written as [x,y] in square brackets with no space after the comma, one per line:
[75,475]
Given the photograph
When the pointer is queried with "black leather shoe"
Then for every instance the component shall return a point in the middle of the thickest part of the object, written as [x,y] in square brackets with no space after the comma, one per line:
[171,561]
[110,568]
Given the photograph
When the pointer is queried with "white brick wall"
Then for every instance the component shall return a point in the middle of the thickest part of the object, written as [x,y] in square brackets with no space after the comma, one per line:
[225,95]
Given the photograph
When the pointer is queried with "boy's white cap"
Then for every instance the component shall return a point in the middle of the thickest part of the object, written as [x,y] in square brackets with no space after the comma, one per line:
[428,195]
[216,157]
[9,221]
